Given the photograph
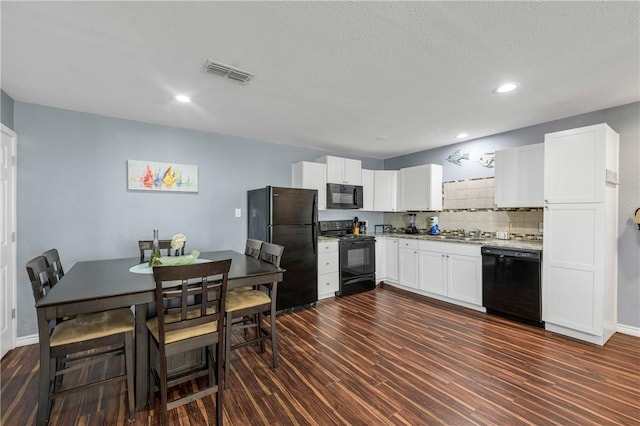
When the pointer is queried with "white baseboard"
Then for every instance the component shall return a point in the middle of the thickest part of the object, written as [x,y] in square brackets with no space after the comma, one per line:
[26,340]
[627,329]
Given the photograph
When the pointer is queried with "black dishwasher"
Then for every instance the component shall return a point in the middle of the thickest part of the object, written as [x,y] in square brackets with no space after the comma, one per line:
[511,283]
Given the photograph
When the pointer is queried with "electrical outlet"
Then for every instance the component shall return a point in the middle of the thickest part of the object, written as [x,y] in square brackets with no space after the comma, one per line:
[512,227]
[540,227]
[238,212]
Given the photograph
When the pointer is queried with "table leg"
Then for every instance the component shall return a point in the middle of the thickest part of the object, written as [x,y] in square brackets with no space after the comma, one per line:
[142,356]
[45,369]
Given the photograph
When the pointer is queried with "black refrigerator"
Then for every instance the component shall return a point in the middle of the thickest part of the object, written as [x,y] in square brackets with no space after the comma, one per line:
[288,216]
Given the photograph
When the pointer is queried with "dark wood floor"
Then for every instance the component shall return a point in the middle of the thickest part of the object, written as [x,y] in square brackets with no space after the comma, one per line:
[385,358]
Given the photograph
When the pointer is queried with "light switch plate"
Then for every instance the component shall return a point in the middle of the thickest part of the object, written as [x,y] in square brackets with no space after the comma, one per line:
[238,212]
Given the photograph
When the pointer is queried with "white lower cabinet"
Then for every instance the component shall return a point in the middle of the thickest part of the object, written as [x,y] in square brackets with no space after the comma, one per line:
[328,269]
[391,259]
[408,267]
[451,272]
[381,262]
[464,278]
[433,276]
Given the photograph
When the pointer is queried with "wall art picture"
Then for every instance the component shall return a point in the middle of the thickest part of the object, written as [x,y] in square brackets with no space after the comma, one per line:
[155,176]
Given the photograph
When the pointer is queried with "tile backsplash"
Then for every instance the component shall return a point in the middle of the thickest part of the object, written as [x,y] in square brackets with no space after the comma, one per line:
[469,204]
[469,194]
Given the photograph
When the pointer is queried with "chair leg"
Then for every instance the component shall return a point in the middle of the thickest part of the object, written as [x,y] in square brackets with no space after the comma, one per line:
[258,320]
[210,366]
[163,386]
[129,371]
[274,343]
[60,364]
[151,396]
[220,348]
[227,345]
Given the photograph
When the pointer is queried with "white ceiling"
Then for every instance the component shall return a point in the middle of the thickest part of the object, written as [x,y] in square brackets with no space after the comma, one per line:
[330,75]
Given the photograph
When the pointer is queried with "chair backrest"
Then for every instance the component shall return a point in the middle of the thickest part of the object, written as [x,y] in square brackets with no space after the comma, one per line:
[271,253]
[253,248]
[198,291]
[147,245]
[54,264]
[40,277]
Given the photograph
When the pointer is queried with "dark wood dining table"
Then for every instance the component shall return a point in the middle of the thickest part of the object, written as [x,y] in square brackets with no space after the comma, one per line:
[97,285]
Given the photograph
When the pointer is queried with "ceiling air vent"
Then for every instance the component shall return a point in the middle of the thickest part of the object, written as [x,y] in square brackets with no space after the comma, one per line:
[227,71]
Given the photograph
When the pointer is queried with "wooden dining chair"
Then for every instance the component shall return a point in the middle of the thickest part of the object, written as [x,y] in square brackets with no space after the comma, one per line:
[147,245]
[197,321]
[252,248]
[245,310]
[55,265]
[70,344]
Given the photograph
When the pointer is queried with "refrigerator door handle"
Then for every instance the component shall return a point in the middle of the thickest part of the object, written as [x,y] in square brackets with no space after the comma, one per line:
[313,238]
[314,211]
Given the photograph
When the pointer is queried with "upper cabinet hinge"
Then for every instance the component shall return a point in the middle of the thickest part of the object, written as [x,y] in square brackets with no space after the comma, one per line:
[13,313]
[14,160]
[13,237]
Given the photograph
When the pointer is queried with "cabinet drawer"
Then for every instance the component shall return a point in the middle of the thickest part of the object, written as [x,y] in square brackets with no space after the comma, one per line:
[327,262]
[327,247]
[410,244]
[328,283]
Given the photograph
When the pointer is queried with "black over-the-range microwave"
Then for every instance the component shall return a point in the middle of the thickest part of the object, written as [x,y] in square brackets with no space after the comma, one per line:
[344,196]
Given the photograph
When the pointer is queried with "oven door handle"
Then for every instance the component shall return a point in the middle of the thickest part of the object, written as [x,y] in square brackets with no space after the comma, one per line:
[358,280]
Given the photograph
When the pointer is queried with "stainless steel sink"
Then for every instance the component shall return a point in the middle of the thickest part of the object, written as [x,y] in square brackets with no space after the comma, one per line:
[460,238]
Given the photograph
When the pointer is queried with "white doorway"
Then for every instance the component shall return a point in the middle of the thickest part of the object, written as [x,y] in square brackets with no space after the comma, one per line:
[8,285]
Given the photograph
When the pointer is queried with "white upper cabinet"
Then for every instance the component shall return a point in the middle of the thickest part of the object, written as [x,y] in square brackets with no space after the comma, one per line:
[345,171]
[385,190]
[574,165]
[520,176]
[421,188]
[368,184]
[309,175]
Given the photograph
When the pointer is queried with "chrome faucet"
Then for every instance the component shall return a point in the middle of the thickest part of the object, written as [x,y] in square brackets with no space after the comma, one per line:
[463,232]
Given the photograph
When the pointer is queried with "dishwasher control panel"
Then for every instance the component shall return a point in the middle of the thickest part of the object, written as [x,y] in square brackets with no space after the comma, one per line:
[508,252]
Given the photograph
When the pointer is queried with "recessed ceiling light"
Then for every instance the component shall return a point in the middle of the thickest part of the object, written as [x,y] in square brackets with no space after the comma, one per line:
[507,87]
[462,135]
[183,98]
[382,138]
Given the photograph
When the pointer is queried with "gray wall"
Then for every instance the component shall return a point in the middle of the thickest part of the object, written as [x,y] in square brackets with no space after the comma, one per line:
[6,109]
[625,120]
[72,186]
[72,191]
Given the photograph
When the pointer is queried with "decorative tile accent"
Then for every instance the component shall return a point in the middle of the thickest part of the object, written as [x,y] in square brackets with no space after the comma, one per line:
[470,205]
